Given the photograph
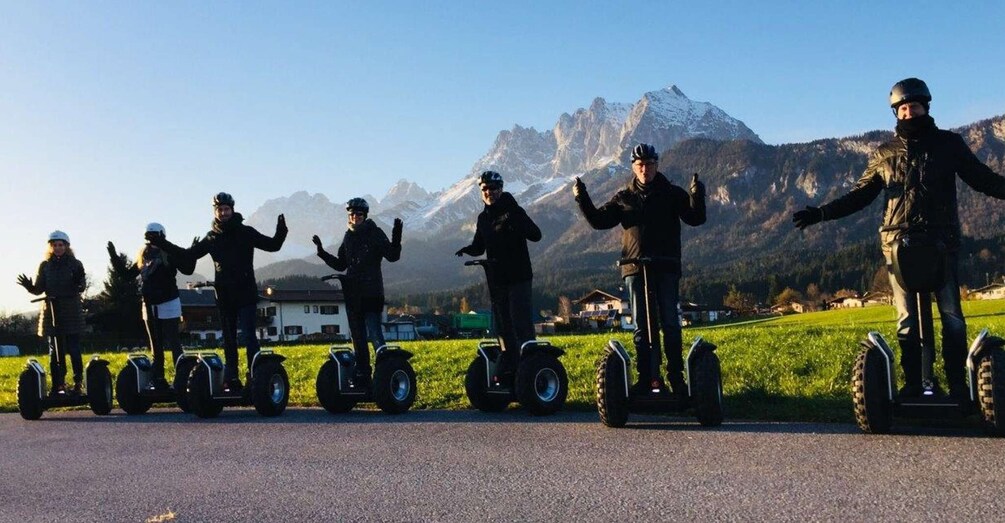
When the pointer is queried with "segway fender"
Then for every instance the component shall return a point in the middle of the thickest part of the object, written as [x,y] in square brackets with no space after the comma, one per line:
[266,355]
[36,367]
[615,347]
[392,351]
[875,340]
[529,348]
[143,366]
[97,362]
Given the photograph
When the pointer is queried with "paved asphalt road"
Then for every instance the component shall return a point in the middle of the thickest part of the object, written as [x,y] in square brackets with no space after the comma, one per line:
[468,466]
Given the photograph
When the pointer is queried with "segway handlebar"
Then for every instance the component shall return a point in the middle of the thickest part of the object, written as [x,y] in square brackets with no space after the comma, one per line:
[484,262]
[336,276]
[201,284]
[647,260]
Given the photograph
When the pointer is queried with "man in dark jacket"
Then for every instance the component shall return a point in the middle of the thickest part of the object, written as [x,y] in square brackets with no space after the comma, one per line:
[917,171]
[649,210]
[363,247]
[232,246]
[502,232]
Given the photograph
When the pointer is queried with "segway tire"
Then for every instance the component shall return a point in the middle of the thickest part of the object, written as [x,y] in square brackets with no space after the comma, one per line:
[181,376]
[200,402]
[475,386]
[130,400]
[706,390]
[29,404]
[394,385]
[991,392]
[542,384]
[869,382]
[99,389]
[328,391]
[270,388]
[612,402]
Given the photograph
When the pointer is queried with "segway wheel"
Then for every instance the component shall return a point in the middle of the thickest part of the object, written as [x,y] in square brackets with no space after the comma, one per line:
[180,385]
[542,384]
[869,382]
[29,404]
[328,390]
[475,385]
[99,389]
[200,401]
[270,388]
[706,390]
[130,400]
[394,385]
[991,392]
[612,402]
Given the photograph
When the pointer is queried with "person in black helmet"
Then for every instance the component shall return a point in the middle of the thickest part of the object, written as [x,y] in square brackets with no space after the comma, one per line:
[649,210]
[161,312]
[232,246]
[363,246]
[501,233]
[917,171]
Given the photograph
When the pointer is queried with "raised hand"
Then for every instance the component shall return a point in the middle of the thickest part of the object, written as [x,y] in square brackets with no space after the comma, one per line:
[24,281]
[317,241]
[281,224]
[460,252]
[195,241]
[696,186]
[154,238]
[578,188]
[809,216]
[396,231]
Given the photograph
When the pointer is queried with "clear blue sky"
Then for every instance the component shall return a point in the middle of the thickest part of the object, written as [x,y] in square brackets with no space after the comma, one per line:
[113,114]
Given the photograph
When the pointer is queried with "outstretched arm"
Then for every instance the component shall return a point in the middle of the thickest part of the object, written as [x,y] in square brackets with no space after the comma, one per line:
[694,211]
[606,217]
[274,243]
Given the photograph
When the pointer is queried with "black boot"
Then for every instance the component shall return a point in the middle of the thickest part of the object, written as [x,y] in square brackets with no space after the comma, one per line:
[676,382]
[362,377]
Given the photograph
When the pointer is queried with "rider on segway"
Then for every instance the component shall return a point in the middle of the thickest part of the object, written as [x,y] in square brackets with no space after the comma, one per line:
[232,246]
[917,171]
[157,272]
[501,233]
[650,209]
[363,247]
[61,278]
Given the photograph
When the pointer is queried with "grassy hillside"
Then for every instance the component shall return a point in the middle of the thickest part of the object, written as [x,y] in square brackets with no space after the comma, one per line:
[790,368]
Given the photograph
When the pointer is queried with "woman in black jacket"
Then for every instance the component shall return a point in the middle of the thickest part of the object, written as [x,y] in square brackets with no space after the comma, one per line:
[61,277]
[502,233]
[157,274]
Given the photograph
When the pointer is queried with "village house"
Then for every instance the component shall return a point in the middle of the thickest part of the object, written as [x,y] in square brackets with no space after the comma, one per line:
[287,315]
[995,291]
[602,310]
[200,318]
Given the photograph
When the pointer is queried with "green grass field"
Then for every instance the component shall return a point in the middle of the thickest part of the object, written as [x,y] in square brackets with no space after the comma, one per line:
[790,368]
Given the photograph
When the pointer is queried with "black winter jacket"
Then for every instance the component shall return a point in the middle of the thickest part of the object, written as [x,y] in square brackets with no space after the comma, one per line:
[651,220]
[62,280]
[919,180]
[360,256]
[232,246]
[501,233]
[158,283]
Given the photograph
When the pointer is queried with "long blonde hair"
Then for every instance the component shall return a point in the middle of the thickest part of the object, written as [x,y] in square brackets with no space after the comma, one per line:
[49,254]
[140,258]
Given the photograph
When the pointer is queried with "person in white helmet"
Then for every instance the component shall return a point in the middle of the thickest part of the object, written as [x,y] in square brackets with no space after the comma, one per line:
[61,277]
[157,272]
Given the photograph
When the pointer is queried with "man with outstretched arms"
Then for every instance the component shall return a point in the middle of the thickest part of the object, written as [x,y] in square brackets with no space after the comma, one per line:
[917,171]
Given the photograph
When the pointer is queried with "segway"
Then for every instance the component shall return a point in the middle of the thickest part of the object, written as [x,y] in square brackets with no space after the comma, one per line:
[540,383]
[393,386]
[616,400]
[267,388]
[919,268]
[33,397]
[136,390]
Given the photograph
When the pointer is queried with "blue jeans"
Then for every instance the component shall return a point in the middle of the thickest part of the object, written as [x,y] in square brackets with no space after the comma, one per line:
[232,319]
[954,328]
[363,327]
[665,289]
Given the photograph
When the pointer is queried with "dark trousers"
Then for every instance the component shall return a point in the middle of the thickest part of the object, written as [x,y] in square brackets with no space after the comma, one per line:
[664,289]
[954,328]
[512,318]
[58,349]
[363,326]
[163,334]
[232,319]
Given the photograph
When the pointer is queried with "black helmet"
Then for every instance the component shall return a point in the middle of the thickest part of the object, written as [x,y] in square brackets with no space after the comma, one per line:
[223,199]
[490,178]
[357,204]
[909,90]
[644,151]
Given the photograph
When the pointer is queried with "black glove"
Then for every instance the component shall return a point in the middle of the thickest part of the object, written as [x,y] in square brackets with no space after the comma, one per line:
[809,216]
[24,281]
[155,238]
[195,241]
[396,231]
[461,252]
[579,189]
[281,225]
[696,186]
[317,242]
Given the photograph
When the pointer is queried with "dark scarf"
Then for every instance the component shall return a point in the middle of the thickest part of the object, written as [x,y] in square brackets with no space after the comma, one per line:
[643,189]
[222,227]
[915,128]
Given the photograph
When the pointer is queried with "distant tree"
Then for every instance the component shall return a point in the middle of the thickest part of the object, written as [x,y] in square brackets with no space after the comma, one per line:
[773,288]
[564,307]
[788,296]
[740,301]
[115,312]
[846,293]
[881,281]
[814,298]
[465,308]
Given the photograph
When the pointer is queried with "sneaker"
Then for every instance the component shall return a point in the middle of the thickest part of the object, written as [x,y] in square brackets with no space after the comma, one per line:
[77,388]
[57,390]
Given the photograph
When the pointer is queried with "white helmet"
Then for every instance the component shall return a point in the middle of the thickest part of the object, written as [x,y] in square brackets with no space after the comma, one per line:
[60,236]
[156,227]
